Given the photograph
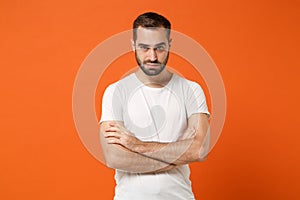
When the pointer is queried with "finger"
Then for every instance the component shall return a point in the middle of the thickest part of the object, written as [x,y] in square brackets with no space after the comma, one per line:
[109,133]
[113,124]
[116,125]
[113,141]
[112,134]
[112,129]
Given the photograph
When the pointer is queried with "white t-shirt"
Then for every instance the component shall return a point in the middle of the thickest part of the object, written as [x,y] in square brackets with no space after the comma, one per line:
[153,114]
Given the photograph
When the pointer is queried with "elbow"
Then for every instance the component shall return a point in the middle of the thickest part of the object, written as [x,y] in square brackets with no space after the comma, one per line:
[204,148]
[111,160]
[111,163]
[197,151]
[108,161]
[202,158]
[110,154]
[200,155]
[115,158]
[203,153]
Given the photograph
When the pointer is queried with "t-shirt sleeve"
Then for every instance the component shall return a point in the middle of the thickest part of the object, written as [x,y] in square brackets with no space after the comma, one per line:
[196,101]
[111,104]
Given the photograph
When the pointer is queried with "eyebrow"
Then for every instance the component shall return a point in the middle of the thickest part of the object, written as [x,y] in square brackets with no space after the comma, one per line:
[147,45]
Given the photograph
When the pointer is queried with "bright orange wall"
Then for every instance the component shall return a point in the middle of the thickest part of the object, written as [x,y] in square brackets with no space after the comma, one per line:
[254,43]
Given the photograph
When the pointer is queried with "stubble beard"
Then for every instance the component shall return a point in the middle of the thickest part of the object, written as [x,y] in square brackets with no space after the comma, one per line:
[151,72]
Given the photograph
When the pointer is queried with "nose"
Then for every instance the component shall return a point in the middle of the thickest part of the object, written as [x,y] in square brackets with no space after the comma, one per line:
[152,54]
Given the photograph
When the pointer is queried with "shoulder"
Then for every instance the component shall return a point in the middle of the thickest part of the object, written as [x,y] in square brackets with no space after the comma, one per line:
[186,83]
[123,87]
[121,83]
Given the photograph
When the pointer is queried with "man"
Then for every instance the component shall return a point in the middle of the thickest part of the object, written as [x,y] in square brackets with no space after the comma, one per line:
[153,122]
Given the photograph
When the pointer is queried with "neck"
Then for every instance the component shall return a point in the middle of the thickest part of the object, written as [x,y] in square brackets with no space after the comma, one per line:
[157,81]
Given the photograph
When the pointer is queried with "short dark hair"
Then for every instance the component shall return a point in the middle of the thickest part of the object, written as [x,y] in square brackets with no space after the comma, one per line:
[151,20]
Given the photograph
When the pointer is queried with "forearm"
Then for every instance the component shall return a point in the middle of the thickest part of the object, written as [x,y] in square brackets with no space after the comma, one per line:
[155,156]
[126,152]
[178,153]
[118,157]
[193,145]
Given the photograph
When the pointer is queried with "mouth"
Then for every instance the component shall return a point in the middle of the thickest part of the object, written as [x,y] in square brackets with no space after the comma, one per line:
[154,65]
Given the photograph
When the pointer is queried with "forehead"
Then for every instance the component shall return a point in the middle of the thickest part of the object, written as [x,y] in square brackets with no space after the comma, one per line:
[151,36]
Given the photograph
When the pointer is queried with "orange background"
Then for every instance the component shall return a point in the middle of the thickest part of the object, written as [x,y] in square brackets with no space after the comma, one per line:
[254,43]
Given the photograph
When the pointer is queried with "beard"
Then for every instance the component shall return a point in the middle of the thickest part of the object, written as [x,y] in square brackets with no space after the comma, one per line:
[152,71]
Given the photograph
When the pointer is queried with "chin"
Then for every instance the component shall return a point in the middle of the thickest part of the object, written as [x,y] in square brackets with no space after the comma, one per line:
[152,72]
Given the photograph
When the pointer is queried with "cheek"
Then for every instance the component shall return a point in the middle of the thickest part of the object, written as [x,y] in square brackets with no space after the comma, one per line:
[140,56]
[162,56]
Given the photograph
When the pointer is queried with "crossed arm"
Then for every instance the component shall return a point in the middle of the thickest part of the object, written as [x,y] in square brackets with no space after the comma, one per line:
[125,152]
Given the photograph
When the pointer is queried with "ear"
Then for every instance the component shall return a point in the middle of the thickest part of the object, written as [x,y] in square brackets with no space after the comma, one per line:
[132,45]
[170,42]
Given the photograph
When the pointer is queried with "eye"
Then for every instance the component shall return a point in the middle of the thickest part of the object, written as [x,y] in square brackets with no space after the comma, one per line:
[143,47]
[161,48]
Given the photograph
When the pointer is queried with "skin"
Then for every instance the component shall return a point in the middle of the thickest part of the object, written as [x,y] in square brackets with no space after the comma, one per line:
[152,52]
[124,151]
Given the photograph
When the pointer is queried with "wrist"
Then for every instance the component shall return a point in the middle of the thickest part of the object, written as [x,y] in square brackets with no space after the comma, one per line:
[141,147]
[138,146]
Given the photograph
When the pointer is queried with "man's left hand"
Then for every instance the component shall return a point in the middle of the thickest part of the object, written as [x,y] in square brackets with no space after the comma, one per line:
[118,134]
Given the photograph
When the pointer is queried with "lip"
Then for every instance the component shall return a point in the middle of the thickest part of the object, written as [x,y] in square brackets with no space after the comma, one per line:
[152,65]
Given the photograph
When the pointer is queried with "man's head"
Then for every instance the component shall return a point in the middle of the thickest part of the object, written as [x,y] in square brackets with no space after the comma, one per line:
[151,42]
[151,20]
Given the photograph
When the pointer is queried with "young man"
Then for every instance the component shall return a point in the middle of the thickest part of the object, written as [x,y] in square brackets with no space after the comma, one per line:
[153,122]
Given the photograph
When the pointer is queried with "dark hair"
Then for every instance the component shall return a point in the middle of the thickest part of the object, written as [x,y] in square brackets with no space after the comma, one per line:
[151,20]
